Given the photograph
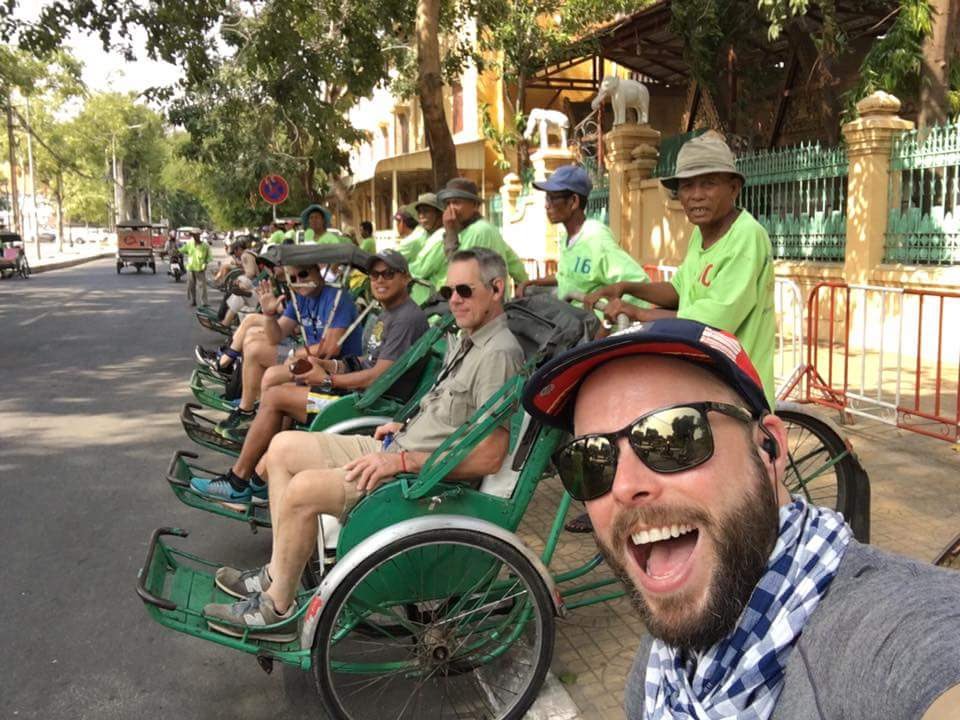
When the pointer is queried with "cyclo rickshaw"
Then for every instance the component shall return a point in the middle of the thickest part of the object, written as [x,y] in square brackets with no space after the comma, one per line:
[135,245]
[13,259]
[434,603]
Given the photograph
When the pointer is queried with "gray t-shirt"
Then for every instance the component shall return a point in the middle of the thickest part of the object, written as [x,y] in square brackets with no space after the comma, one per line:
[884,642]
[394,332]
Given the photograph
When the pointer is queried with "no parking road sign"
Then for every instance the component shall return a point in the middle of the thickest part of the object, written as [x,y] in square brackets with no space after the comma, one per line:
[274,189]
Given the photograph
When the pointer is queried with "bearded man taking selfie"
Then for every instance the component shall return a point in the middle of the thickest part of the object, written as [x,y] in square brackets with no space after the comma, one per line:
[758,604]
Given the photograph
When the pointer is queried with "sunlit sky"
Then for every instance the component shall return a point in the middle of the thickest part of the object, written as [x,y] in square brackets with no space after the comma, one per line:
[108,71]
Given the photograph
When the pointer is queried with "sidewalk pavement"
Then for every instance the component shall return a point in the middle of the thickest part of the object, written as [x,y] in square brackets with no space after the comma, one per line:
[915,512]
[53,259]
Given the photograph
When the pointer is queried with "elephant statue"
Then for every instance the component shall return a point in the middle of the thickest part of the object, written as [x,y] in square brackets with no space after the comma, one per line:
[623,94]
[544,119]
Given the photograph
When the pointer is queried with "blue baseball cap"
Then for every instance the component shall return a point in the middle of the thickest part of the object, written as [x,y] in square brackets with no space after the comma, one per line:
[548,396]
[567,178]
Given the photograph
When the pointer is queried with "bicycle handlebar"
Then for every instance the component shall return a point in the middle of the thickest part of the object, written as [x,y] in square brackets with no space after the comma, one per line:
[623,321]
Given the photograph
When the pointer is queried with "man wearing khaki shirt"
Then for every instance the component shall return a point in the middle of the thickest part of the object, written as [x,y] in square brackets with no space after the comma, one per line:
[321,473]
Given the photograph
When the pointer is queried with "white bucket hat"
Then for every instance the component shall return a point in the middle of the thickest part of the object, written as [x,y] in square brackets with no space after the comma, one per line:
[708,153]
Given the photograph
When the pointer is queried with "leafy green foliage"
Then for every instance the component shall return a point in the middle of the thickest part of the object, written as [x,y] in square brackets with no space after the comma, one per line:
[894,61]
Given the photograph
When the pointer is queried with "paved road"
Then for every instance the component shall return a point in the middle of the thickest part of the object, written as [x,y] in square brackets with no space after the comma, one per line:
[94,369]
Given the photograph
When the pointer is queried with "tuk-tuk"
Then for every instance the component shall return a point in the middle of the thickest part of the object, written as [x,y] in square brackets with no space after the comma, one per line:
[14,258]
[135,245]
[158,239]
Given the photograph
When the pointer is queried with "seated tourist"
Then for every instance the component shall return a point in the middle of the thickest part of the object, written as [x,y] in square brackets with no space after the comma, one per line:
[309,309]
[400,325]
[313,473]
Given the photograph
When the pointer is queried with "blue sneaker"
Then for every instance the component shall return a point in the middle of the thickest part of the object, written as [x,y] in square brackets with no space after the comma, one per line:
[220,488]
[259,493]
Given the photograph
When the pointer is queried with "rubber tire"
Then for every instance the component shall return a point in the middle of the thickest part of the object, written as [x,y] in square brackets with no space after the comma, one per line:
[153,267]
[526,570]
[853,484]
[119,267]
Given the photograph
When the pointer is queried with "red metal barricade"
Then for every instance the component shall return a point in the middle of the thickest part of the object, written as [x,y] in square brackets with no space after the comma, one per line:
[881,352]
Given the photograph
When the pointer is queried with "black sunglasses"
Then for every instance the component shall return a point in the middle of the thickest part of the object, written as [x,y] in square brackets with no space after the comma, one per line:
[464,291]
[385,274]
[668,440]
[302,275]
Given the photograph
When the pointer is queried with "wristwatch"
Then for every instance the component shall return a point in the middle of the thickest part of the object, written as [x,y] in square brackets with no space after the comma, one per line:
[325,385]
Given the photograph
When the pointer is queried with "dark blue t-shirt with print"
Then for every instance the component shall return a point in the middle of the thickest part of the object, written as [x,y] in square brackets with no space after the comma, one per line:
[314,312]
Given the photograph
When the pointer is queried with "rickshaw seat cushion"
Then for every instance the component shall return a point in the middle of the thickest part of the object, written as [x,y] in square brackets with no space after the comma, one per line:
[503,482]
[11,253]
[406,385]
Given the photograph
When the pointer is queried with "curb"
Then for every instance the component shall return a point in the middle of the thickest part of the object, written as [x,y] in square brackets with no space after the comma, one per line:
[69,263]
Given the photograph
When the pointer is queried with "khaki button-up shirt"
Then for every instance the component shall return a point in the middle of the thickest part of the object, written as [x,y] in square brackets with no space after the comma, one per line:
[477,366]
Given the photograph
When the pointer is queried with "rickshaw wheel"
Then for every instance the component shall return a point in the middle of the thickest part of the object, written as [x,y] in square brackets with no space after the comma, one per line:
[153,268]
[821,469]
[445,624]
[119,267]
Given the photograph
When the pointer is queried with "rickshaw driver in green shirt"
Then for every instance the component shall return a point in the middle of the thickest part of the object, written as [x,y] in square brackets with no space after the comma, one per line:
[591,258]
[316,220]
[429,213]
[463,228]
[726,279]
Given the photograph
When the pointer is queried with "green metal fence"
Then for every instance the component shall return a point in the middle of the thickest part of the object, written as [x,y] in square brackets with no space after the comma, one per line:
[923,227]
[598,204]
[495,210]
[669,147]
[799,195]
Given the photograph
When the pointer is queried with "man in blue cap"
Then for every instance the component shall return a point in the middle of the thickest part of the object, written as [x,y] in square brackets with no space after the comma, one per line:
[590,258]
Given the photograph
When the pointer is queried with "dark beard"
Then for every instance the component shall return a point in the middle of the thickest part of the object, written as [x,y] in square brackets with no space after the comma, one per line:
[744,540]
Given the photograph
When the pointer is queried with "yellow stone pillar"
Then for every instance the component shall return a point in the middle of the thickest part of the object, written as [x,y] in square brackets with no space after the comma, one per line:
[632,235]
[869,139]
[619,145]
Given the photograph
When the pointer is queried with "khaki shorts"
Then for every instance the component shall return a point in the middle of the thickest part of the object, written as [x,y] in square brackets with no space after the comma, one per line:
[335,451]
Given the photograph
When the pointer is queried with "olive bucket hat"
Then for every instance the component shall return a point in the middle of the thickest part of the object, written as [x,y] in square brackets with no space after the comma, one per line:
[708,153]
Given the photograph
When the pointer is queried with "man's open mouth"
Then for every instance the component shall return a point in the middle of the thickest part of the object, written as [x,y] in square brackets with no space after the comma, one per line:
[664,555]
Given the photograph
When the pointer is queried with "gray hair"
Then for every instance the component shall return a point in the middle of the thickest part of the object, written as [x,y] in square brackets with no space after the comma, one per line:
[492,264]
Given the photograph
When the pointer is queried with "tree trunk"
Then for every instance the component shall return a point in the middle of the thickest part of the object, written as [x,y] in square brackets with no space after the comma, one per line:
[443,152]
[937,53]
[60,212]
[523,145]
[11,146]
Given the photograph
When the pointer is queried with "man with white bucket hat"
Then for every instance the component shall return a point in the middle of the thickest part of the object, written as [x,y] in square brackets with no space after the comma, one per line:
[726,279]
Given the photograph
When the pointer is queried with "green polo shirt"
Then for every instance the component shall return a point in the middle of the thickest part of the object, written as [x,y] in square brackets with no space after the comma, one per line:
[369,245]
[276,238]
[412,244]
[730,286]
[593,259]
[432,263]
[328,238]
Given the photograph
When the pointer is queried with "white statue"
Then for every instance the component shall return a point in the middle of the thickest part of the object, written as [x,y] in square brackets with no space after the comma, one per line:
[544,119]
[623,94]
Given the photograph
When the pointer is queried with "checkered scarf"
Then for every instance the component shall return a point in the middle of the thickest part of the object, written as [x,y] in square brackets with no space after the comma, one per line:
[742,676]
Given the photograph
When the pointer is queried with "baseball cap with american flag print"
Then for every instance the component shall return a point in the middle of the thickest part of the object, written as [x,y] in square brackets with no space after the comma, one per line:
[549,394]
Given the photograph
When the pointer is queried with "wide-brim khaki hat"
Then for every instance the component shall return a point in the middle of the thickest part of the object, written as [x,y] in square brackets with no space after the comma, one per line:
[430,200]
[460,188]
[702,155]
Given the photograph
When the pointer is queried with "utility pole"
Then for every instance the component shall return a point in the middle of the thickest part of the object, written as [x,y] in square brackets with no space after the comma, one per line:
[11,148]
[116,204]
[33,180]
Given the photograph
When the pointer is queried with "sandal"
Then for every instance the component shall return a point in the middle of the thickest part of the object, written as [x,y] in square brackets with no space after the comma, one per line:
[579,524]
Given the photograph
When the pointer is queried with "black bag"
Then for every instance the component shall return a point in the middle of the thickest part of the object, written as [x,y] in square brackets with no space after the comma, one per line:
[547,324]
[234,387]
